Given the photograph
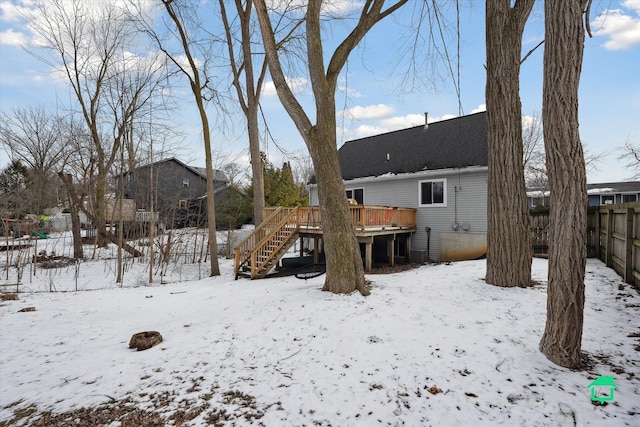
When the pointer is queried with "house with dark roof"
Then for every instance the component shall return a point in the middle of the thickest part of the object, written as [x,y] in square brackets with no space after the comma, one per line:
[174,189]
[441,169]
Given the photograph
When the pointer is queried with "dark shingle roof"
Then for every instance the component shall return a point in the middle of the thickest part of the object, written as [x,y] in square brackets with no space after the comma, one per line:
[456,143]
[218,175]
[615,187]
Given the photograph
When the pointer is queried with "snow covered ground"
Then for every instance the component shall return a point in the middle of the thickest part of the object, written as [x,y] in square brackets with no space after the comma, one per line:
[433,345]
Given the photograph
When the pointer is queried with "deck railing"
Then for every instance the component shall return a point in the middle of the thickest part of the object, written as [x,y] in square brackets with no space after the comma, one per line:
[362,216]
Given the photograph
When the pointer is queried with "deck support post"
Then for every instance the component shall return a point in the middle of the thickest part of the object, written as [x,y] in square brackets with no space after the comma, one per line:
[316,250]
[368,252]
[391,244]
[368,263]
[407,248]
[301,246]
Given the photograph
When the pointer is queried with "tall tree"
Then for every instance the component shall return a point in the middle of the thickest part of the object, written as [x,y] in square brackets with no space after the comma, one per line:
[563,52]
[248,82]
[35,137]
[180,13]
[87,42]
[345,272]
[248,92]
[508,240]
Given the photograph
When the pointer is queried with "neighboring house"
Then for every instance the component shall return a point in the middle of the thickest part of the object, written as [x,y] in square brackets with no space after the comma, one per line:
[172,191]
[609,193]
[439,169]
[613,193]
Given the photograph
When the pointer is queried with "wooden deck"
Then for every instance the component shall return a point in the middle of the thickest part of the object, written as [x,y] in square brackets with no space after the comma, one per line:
[366,219]
[261,250]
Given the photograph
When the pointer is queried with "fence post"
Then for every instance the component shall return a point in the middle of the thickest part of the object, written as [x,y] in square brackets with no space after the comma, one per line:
[610,224]
[628,257]
[595,239]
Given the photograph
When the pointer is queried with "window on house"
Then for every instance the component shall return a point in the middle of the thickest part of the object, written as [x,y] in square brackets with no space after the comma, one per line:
[185,182]
[356,194]
[182,204]
[433,192]
[607,200]
[626,198]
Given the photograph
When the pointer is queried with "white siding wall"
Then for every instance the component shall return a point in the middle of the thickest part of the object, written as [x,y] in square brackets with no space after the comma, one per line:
[466,199]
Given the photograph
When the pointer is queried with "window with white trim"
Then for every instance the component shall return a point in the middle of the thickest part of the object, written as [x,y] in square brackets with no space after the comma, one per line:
[356,194]
[607,200]
[432,192]
[185,182]
[626,198]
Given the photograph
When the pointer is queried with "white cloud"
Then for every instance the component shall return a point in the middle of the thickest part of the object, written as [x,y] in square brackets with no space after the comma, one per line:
[403,122]
[13,11]
[330,7]
[13,38]
[351,93]
[369,112]
[340,7]
[296,84]
[479,108]
[621,27]
[363,131]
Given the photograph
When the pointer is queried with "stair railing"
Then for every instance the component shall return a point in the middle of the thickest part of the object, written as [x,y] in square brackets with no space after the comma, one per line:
[244,251]
[269,246]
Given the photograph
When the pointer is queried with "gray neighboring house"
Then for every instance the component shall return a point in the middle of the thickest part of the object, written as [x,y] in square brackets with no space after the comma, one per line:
[439,169]
[613,193]
[177,187]
[608,193]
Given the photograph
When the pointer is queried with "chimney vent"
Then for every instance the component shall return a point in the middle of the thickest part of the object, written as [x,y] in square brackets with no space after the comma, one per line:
[426,120]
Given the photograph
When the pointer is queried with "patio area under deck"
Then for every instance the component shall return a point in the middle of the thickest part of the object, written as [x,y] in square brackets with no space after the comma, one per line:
[369,222]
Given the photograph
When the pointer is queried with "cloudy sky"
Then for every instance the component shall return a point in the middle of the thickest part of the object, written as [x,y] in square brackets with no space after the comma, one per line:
[378,95]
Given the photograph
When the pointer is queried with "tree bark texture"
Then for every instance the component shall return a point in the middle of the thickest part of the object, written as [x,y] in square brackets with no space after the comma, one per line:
[508,233]
[564,44]
[211,207]
[345,272]
[74,208]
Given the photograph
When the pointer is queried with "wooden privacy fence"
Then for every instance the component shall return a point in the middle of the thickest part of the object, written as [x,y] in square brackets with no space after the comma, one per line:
[613,236]
[619,231]
[539,223]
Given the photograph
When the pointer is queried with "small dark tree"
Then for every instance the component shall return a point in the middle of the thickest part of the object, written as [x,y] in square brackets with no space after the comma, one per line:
[14,186]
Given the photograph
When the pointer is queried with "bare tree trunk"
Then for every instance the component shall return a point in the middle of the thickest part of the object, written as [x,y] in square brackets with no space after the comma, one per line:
[564,45]
[249,97]
[257,167]
[345,272]
[508,237]
[127,247]
[78,252]
[197,86]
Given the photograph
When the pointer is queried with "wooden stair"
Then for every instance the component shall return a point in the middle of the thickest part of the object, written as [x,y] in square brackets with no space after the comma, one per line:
[259,252]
